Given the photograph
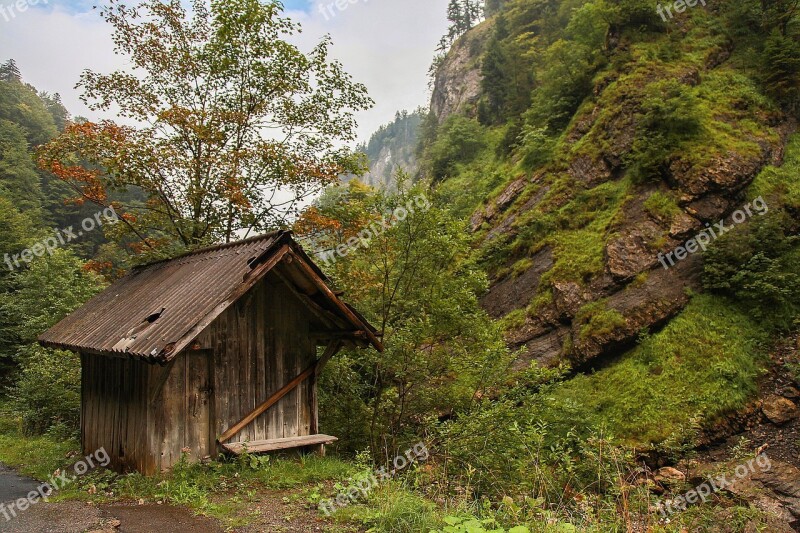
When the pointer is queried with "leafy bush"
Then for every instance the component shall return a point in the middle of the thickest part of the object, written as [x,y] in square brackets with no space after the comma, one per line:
[442,349]
[566,81]
[536,146]
[757,263]
[668,117]
[48,390]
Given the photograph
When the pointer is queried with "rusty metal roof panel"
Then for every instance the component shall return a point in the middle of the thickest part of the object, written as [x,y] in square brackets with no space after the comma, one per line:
[155,306]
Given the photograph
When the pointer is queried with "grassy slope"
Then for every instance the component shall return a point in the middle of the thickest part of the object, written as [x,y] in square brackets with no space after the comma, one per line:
[704,364]
[707,361]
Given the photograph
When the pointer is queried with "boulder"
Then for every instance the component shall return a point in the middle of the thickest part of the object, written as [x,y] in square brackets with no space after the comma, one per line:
[779,410]
[670,474]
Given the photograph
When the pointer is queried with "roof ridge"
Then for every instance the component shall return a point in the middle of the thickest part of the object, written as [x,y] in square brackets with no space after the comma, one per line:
[214,248]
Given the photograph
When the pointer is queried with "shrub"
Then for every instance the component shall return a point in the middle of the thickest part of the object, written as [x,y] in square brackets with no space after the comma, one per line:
[782,68]
[459,141]
[757,264]
[47,393]
[668,117]
[566,82]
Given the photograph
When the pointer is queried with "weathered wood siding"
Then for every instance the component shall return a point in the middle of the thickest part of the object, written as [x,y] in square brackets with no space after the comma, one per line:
[145,415]
[259,345]
[114,411]
[180,412]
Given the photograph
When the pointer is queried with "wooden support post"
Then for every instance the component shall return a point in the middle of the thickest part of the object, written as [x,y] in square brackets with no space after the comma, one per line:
[314,400]
[332,349]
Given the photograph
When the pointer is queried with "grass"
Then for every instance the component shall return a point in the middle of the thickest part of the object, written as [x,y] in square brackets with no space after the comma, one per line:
[223,489]
[703,365]
[394,508]
[662,206]
[36,457]
[598,320]
[781,185]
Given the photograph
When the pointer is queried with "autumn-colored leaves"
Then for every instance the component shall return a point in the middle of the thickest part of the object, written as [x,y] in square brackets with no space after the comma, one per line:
[233,127]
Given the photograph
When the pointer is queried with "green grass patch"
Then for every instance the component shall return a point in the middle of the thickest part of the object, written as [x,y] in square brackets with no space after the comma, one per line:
[662,205]
[780,185]
[704,364]
[598,320]
[36,457]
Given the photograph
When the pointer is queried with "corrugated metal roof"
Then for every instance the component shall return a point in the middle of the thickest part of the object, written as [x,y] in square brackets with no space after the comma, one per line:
[153,308]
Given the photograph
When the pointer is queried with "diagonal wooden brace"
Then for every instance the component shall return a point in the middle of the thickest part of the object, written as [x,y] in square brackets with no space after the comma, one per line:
[332,349]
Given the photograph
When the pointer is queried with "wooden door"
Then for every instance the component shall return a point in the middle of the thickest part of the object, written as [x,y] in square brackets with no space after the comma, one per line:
[199,397]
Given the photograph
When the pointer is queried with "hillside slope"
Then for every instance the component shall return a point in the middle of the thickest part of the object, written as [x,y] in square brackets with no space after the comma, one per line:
[672,128]
[588,140]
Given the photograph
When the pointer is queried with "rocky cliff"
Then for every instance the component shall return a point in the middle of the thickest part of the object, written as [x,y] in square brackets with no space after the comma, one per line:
[573,243]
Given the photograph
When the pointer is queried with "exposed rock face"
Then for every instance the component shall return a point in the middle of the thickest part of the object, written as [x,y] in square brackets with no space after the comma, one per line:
[592,172]
[458,80]
[630,253]
[779,410]
[568,298]
[387,164]
[391,149]
[506,294]
[597,309]
[636,289]
[776,491]
[660,297]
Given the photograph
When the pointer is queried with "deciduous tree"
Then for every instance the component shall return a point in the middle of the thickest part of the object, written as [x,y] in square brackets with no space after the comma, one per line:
[232,125]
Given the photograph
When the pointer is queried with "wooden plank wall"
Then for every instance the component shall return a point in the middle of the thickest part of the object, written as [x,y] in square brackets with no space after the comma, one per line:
[259,345]
[180,412]
[114,412]
[144,415]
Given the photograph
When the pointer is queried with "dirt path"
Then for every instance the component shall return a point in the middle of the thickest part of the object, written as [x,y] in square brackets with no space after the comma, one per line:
[270,512]
[79,517]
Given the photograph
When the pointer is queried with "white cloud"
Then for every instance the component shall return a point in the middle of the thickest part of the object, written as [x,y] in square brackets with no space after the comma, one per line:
[386,44]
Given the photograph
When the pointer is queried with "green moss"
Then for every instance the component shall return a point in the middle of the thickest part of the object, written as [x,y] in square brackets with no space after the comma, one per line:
[662,206]
[513,320]
[540,301]
[522,266]
[598,320]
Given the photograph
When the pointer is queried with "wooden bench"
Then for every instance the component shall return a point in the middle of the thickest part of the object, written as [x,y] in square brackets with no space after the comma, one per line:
[263,446]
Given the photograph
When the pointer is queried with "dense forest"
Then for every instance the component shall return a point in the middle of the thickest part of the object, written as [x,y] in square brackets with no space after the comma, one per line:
[593,308]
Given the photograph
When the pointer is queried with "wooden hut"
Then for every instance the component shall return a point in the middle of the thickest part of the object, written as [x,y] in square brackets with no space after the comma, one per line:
[214,350]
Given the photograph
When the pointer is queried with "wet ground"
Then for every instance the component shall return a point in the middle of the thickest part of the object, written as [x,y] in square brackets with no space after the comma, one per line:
[13,486]
[79,517]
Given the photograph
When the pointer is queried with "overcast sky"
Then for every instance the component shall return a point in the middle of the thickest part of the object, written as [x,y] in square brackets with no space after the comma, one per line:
[386,44]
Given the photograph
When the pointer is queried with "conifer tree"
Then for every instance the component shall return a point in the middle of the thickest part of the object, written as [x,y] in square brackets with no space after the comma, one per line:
[496,80]
[463,16]
[9,71]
